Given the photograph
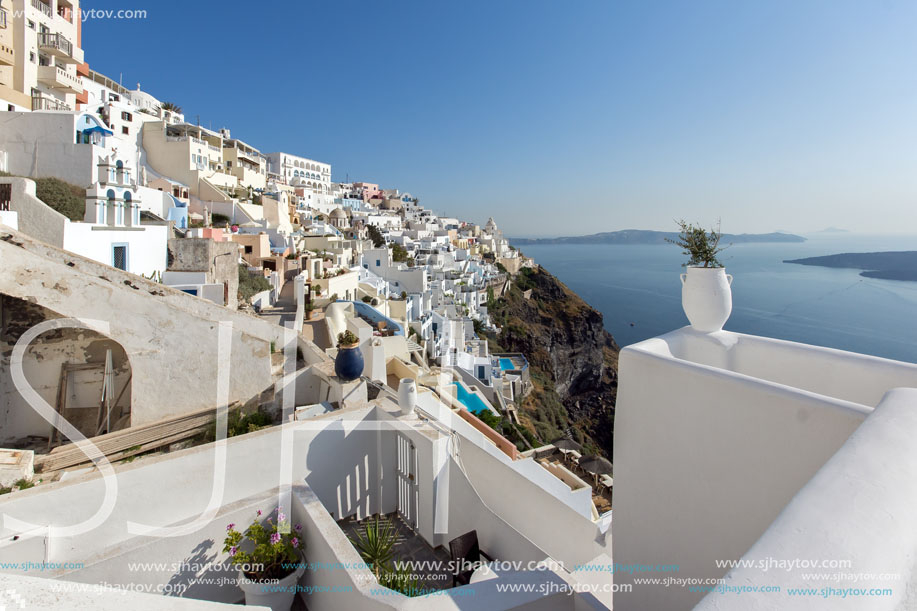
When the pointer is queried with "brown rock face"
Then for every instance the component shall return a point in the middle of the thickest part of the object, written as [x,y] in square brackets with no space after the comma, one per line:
[567,345]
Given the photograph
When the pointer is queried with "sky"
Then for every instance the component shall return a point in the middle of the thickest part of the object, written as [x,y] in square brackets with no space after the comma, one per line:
[558,118]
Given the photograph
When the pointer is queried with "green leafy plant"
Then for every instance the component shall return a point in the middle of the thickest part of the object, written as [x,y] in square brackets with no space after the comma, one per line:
[402,580]
[250,284]
[265,551]
[376,545]
[347,338]
[700,245]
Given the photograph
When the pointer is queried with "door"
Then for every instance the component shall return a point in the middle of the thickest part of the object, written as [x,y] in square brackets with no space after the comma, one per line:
[407,481]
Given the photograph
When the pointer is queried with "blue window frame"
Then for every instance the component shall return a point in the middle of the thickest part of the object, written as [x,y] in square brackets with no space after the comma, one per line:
[119,255]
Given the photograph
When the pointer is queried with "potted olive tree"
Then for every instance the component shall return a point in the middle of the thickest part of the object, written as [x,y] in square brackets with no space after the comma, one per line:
[268,555]
[348,364]
[706,293]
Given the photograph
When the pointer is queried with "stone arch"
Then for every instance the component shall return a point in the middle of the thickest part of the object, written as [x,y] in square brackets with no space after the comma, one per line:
[81,354]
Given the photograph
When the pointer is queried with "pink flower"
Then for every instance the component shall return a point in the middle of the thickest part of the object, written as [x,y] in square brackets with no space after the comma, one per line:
[259,512]
[275,538]
[281,517]
[233,550]
[230,526]
[295,542]
[298,527]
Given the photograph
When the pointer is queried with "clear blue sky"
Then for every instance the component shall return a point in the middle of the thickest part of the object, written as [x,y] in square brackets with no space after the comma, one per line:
[564,117]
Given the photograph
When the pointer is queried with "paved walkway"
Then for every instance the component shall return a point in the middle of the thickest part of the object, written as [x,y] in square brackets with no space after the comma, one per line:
[284,310]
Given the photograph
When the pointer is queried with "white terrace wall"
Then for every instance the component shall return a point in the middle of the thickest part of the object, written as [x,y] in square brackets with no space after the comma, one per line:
[36,218]
[706,456]
[171,338]
[326,452]
[858,507]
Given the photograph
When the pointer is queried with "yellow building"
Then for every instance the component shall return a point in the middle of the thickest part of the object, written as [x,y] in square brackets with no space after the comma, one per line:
[39,54]
[192,155]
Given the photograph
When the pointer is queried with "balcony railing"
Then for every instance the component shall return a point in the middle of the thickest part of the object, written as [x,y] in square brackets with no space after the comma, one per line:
[55,42]
[2,18]
[41,6]
[43,103]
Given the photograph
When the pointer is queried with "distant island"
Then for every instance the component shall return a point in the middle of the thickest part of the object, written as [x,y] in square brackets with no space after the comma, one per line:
[639,236]
[899,265]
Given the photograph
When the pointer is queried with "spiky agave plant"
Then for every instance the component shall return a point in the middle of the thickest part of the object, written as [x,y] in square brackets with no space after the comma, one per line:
[376,545]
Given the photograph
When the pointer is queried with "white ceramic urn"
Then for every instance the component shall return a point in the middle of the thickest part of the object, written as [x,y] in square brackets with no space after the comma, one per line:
[407,396]
[706,296]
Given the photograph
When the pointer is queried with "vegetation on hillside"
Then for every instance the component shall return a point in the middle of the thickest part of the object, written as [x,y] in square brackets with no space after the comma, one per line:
[250,284]
[66,198]
[572,361]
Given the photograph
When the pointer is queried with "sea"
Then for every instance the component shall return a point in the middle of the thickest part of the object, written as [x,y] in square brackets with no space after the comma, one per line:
[638,290]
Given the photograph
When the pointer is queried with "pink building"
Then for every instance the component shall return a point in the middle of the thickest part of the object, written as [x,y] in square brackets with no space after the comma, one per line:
[368,189]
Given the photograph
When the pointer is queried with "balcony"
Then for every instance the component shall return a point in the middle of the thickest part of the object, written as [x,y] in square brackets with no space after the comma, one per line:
[3,18]
[45,103]
[58,46]
[41,6]
[58,78]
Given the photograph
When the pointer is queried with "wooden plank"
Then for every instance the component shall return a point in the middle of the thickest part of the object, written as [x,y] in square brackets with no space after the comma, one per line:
[111,443]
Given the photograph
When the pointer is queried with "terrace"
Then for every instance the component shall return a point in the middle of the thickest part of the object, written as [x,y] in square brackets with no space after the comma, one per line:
[346,465]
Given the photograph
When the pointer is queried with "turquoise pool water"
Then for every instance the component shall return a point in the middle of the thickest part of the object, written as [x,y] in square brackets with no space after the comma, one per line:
[471,401]
[506,364]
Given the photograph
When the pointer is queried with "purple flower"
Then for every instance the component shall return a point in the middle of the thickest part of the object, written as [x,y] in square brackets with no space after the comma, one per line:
[230,526]
[298,527]
[233,550]
[281,516]
[259,512]
[295,542]
[275,538]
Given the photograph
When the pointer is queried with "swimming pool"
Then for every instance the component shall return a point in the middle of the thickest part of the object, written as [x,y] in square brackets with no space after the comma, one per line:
[506,364]
[471,401]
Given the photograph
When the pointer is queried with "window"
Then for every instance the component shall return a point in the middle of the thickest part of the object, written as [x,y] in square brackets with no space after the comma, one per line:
[124,130]
[126,116]
[32,57]
[31,25]
[248,250]
[119,256]
[480,372]
[378,262]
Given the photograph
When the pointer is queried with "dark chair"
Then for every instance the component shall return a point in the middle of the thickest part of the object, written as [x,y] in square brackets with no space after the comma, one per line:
[465,551]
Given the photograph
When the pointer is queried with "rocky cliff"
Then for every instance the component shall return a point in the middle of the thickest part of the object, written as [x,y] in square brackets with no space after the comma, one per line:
[573,360]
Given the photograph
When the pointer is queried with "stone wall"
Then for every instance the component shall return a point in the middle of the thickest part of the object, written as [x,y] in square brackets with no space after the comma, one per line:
[170,338]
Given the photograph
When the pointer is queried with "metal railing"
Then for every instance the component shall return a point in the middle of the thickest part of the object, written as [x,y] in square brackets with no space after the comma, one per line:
[41,6]
[43,103]
[2,18]
[55,41]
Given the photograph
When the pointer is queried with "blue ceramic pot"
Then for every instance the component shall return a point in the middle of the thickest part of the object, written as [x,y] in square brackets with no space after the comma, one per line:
[348,364]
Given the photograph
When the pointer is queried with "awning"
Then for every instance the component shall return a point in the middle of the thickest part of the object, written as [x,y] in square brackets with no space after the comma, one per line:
[97,129]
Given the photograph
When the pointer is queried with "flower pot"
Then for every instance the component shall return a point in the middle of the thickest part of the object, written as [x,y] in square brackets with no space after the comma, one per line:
[276,595]
[407,396]
[706,296]
[348,364]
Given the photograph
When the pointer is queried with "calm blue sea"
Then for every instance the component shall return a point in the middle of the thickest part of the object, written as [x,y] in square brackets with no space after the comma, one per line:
[638,290]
